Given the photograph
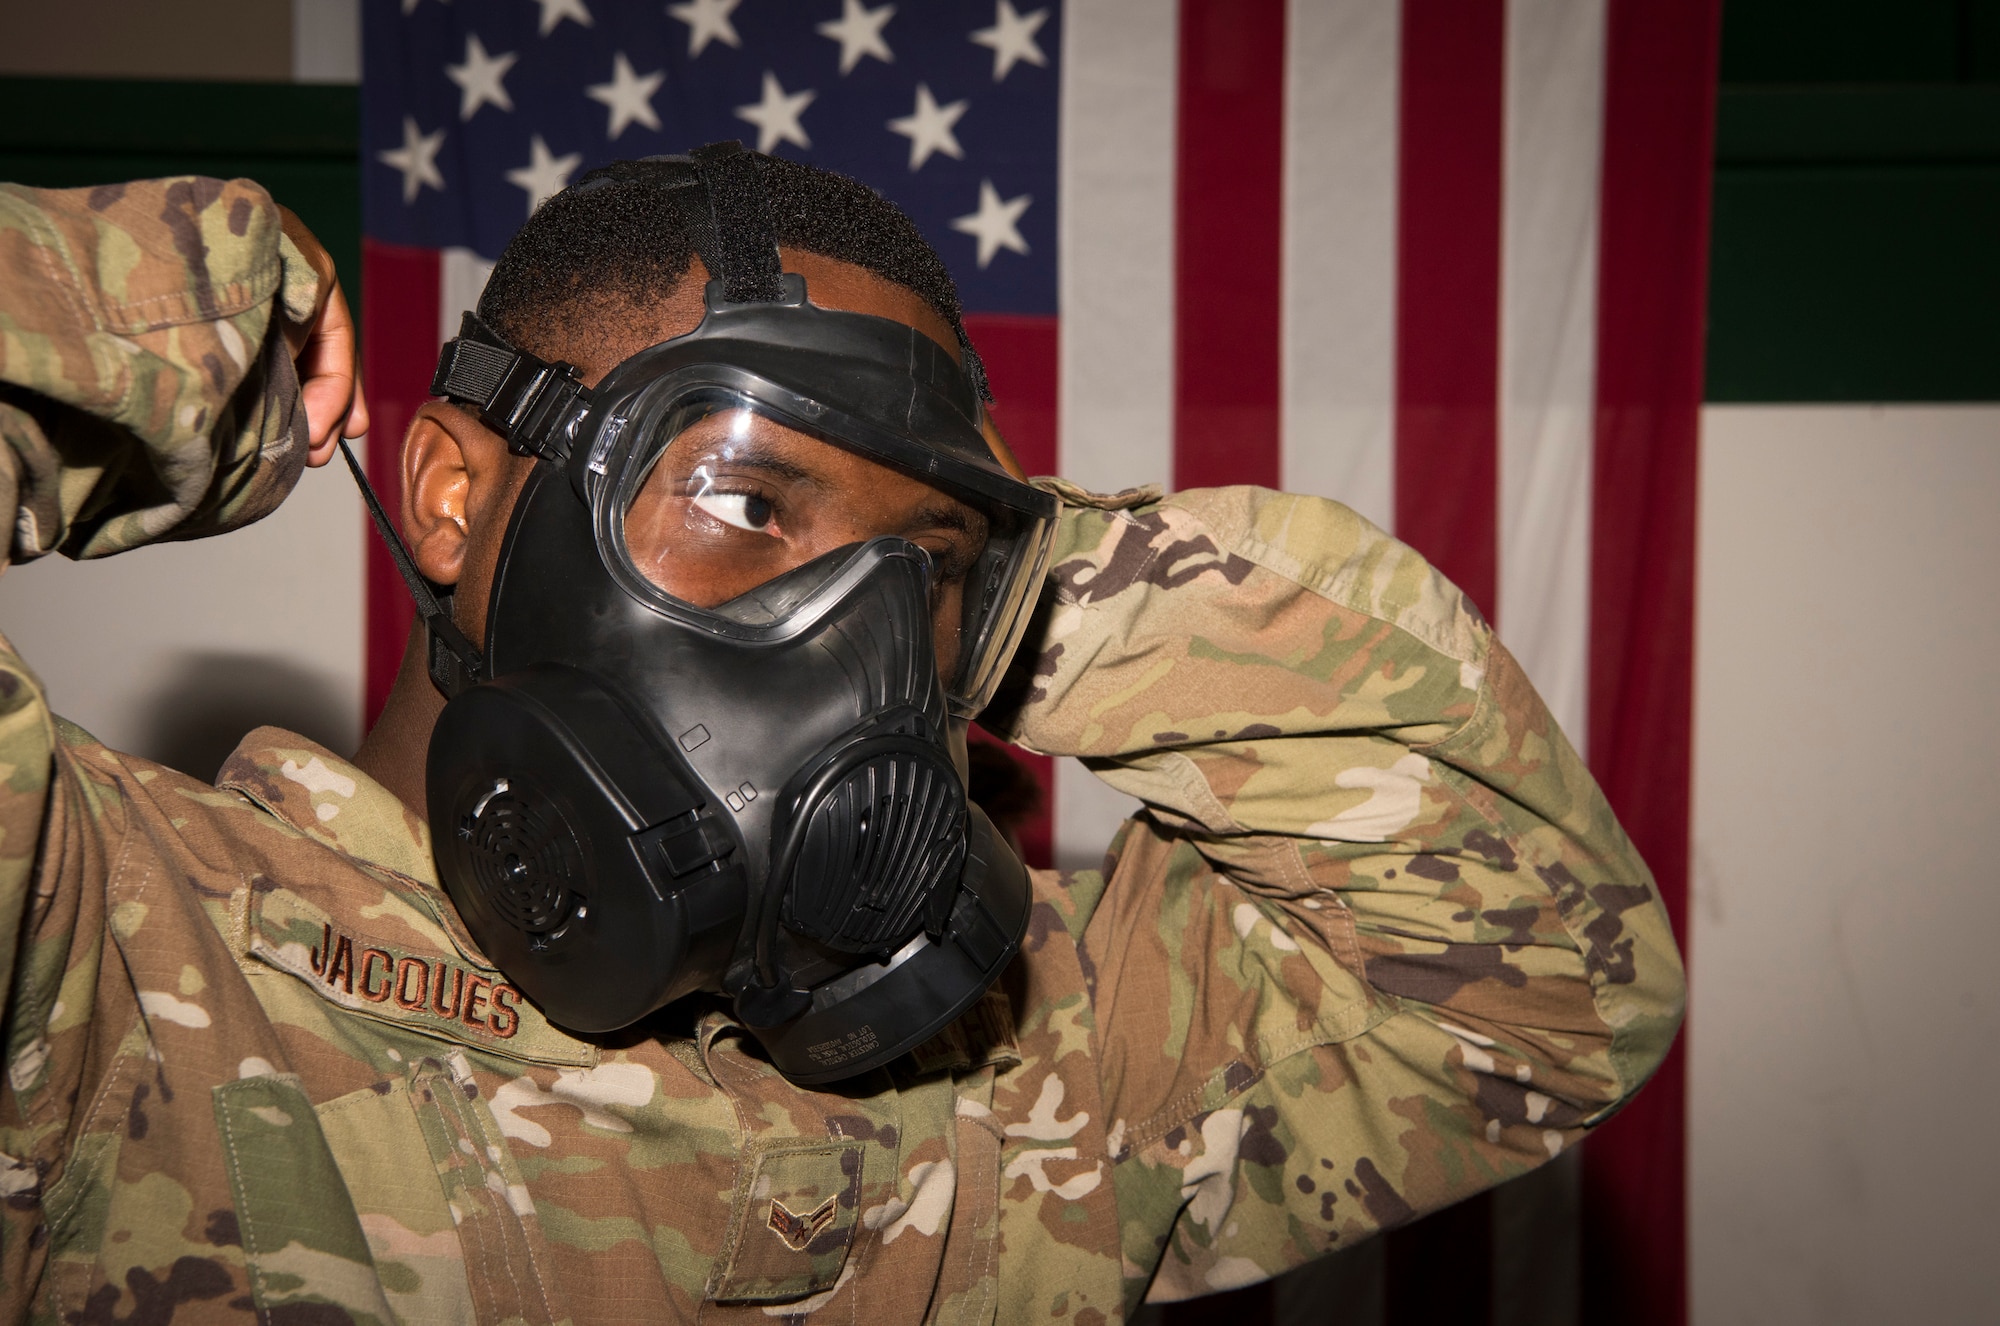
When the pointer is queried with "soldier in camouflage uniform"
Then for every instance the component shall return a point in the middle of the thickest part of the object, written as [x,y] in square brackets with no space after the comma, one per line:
[1375,943]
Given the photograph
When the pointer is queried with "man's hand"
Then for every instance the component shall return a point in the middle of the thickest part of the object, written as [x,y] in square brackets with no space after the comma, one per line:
[325,351]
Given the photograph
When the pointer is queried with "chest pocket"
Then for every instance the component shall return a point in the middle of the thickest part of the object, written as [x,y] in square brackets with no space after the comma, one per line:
[442,1204]
[302,1246]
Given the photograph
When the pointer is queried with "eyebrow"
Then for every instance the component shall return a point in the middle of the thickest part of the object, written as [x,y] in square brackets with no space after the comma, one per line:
[762,456]
[944,515]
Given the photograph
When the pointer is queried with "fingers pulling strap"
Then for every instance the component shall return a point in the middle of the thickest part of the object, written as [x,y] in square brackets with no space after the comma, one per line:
[534,404]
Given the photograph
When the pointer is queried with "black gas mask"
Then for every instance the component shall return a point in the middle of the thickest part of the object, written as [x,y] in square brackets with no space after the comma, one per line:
[633,798]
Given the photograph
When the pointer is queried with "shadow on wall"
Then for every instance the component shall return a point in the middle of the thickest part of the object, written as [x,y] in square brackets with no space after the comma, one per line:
[206,701]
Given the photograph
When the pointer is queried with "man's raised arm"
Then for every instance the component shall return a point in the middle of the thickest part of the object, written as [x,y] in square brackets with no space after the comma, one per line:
[145,395]
[141,397]
[1377,941]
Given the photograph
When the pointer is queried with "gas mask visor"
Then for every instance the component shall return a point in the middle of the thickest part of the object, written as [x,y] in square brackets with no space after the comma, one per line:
[713,482]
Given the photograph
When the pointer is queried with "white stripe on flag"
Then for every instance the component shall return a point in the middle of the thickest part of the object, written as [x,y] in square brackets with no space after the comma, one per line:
[1086,815]
[1548,344]
[1116,416]
[1116,422]
[461,277]
[1339,409]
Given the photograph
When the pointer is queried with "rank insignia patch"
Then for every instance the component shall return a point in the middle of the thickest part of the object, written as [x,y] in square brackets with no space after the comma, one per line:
[798,1231]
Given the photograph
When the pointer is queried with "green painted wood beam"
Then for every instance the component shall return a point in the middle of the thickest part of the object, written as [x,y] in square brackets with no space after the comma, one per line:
[300,141]
[1856,245]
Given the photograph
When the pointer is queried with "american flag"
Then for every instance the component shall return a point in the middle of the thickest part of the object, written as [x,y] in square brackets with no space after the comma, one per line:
[948,108]
[1444,260]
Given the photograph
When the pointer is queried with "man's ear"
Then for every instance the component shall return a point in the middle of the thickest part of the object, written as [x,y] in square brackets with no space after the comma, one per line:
[438,465]
[460,483]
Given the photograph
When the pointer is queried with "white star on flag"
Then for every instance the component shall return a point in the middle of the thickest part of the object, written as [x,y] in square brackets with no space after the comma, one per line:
[544,176]
[479,78]
[417,159]
[993,224]
[707,20]
[928,128]
[555,11]
[629,96]
[777,115]
[1012,38]
[859,32]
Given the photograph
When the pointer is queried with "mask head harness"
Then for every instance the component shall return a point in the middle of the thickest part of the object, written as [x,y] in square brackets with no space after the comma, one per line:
[634,797]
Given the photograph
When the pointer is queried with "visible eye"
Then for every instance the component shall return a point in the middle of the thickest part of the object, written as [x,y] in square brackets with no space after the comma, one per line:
[743,510]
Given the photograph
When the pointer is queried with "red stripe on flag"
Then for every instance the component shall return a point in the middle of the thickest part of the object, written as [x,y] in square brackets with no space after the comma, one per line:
[1229,200]
[1652,282]
[1021,355]
[1228,215]
[1448,288]
[1022,358]
[399,346]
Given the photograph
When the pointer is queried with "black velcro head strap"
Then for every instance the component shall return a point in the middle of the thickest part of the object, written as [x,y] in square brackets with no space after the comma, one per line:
[532,403]
[689,199]
[742,251]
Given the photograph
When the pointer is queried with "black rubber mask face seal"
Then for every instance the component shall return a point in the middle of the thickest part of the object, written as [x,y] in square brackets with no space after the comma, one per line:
[737,776]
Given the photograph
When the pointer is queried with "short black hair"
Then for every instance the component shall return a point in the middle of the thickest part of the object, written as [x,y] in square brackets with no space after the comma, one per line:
[613,240]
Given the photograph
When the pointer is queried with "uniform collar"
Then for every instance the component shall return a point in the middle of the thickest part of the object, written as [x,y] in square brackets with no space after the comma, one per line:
[328,799]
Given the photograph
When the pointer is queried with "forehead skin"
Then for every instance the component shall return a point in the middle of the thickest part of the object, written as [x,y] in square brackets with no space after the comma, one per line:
[610,336]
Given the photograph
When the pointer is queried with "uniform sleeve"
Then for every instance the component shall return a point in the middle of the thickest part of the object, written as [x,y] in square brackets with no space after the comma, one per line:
[140,398]
[139,401]
[1376,941]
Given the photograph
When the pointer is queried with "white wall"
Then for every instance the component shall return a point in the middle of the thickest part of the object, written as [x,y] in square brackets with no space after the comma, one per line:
[1845,1013]
[326,41]
[174,652]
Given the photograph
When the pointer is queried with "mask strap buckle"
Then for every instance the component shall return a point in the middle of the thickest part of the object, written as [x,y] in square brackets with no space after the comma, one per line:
[534,404]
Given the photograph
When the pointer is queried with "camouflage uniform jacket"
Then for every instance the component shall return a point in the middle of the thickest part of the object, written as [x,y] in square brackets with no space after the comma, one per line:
[1376,941]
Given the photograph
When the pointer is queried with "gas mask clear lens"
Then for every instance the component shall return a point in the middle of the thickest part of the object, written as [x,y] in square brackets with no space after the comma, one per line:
[706,497]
